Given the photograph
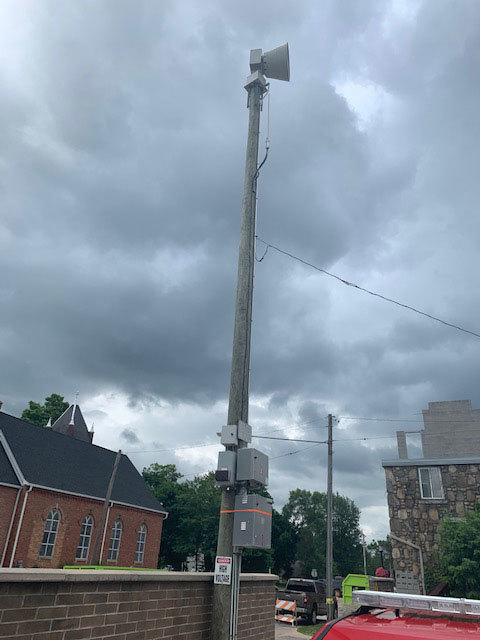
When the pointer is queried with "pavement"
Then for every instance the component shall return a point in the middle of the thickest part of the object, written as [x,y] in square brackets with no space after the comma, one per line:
[285,631]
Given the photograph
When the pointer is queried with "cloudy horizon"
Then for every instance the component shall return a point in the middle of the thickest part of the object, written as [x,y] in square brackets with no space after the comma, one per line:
[124,127]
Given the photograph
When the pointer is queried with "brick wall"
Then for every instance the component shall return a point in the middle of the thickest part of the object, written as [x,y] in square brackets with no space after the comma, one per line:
[72,511]
[38,604]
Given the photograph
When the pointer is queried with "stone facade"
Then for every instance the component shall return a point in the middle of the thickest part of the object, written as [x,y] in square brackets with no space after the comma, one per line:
[417,519]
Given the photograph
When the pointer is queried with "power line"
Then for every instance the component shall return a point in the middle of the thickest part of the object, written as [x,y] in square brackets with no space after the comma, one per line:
[316,442]
[369,438]
[294,426]
[289,439]
[379,419]
[292,453]
[372,293]
[449,420]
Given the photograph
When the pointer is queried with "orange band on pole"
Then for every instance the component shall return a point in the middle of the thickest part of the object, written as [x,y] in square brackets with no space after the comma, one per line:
[265,513]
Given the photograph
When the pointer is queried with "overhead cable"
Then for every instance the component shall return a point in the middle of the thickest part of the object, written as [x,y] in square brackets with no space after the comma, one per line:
[372,293]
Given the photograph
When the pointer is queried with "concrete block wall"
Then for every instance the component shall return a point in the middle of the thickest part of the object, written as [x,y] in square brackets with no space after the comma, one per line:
[40,604]
[452,429]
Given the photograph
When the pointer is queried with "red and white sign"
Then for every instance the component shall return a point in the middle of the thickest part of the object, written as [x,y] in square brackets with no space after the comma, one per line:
[223,570]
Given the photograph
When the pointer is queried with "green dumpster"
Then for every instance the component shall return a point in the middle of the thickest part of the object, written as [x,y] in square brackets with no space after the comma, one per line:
[351,583]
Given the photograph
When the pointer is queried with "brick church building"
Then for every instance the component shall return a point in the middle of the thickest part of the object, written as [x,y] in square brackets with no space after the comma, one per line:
[53,485]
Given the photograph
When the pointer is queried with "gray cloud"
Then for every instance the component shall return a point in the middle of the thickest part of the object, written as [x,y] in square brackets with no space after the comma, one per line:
[130,436]
[123,133]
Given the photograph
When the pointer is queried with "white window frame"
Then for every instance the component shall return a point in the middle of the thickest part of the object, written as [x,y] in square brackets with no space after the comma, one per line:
[115,539]
[141,542]
[431,470]
[50,531]
[86,531]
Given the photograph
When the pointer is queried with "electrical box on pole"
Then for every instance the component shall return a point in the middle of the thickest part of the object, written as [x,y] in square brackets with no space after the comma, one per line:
[252,523]
[252,467]
[226,469]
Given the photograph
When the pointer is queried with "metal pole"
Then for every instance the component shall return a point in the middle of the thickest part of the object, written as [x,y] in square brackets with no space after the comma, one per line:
[224,616]
[97,552]
[364,545]
[420,553]
[329,563]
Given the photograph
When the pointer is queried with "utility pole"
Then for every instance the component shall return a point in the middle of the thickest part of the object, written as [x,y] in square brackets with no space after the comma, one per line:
[329,563]
[273,64]
[238,399]
[96,553]
[364,546]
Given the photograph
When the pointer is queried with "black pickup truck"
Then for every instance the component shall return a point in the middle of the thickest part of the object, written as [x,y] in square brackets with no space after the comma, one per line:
[309,596]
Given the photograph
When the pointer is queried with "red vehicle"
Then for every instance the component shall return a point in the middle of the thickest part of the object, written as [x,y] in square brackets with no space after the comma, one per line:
[395,616]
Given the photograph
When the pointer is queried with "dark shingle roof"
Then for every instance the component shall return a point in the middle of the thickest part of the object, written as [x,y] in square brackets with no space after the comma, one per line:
[7,474]
[57,461]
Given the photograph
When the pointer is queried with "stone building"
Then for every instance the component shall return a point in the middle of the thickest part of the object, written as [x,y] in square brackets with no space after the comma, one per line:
[444,482]
[53,486]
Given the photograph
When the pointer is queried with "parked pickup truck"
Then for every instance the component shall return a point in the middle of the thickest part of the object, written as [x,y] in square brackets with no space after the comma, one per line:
[309,596]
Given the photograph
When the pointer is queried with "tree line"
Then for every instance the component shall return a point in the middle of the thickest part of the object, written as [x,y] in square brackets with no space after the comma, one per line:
[298,529]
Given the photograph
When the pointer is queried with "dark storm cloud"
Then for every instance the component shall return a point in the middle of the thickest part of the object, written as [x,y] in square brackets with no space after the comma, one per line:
[121,170]
[130,436]
[133,170]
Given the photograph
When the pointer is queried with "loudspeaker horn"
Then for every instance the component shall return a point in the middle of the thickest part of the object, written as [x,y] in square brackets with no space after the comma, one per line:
[276,63]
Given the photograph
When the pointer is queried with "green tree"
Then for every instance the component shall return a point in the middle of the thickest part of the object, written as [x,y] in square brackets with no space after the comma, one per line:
[163,480]
[40,414]
[459,554]
[307,512]
[284,544]
[199,516]
[347,547]
[374,555]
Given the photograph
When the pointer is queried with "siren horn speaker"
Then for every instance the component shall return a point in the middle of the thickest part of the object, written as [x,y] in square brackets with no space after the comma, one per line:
[276,63]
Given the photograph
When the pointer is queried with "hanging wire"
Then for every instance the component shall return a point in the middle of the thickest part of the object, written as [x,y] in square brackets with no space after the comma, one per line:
[254,184]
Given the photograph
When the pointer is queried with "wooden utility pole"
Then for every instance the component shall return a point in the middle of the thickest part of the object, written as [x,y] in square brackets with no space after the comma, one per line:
[329,562]
[273,64]
[223,622]
[101,525]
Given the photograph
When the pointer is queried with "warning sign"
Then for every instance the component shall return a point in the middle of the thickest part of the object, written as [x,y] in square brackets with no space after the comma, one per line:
[223,570]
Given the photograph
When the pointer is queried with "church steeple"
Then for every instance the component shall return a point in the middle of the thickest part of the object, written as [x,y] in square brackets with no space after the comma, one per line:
[72,423]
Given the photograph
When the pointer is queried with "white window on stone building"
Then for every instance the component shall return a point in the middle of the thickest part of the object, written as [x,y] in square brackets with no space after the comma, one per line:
[431,483]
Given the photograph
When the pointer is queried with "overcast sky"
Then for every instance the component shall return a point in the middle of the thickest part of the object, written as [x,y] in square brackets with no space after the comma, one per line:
[123,128]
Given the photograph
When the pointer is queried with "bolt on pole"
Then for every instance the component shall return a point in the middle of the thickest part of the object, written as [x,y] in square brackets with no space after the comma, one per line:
[329,562]
[224,617]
